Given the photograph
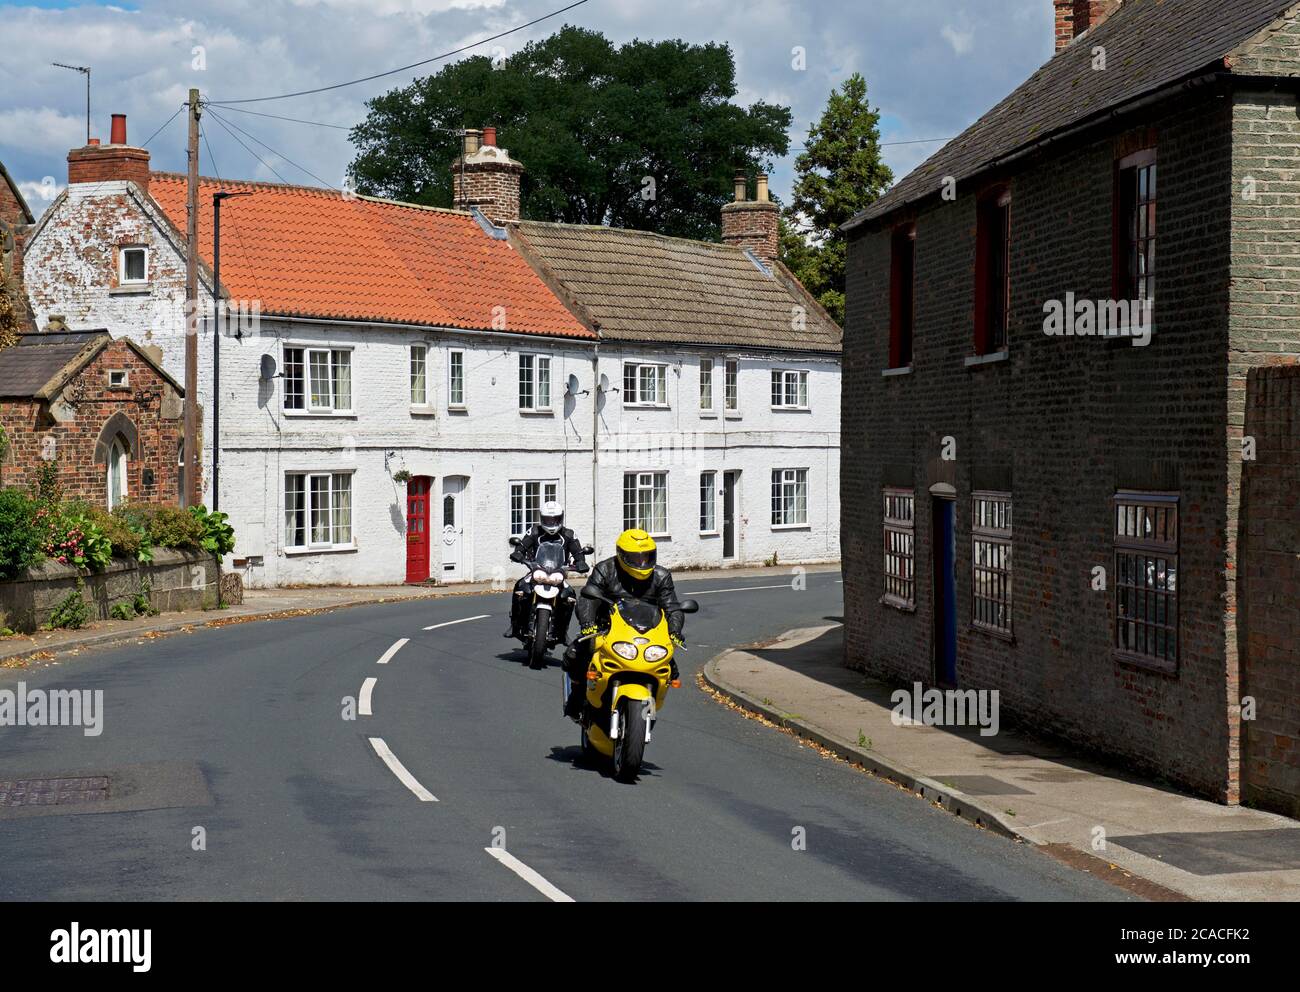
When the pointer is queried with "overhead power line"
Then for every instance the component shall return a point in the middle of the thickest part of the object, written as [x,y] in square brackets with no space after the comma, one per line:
[404,68]
[229,124]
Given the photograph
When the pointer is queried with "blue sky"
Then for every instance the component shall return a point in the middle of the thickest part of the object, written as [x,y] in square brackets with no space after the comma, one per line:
[931,66]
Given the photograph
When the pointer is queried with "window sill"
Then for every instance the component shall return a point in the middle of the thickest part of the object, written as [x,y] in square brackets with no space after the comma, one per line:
[321,414]
[646,406]
[1157,666]
[458,408]
[537,413]
[710,533]
[993,357]
[901,370]
[733,415]
[898,604]
[423,411]
[792,526]
[708,415]
[994,632]
[332,549]
[131,289]
[791,409]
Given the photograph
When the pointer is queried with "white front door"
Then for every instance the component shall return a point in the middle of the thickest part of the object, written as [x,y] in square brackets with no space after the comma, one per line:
[453,527]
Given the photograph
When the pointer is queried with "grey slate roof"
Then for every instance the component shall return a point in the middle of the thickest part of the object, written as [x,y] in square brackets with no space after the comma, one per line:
[29,366]
[1150,45]
[639,286]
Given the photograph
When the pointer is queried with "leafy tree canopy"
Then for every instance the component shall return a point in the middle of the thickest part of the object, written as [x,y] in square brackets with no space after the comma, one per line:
[838,174]
[590,121]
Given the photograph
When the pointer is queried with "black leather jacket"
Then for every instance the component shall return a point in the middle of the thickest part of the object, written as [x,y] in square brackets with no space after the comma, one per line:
[527,546]
[615,583]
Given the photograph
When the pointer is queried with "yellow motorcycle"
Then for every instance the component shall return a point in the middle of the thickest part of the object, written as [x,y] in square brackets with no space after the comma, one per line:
[627,681]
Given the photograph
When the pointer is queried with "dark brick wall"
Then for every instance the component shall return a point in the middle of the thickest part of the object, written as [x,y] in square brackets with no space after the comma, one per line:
[1270,589]
[150,404]
[1063,423]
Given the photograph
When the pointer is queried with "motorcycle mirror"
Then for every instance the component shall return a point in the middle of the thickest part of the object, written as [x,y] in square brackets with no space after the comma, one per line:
[588,550]
[690,606]
[514,542]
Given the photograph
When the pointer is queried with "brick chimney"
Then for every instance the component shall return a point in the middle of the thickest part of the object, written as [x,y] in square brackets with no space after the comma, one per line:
[752,224]
[1074,17]
[485,176]
[96,163]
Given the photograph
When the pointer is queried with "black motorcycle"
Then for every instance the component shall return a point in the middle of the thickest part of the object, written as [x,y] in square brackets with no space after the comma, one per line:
[547,584]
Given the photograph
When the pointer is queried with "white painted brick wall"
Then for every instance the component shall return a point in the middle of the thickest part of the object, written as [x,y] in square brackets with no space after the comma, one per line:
[490,443]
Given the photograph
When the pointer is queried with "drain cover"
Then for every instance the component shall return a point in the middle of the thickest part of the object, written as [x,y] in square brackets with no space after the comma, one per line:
[53,791]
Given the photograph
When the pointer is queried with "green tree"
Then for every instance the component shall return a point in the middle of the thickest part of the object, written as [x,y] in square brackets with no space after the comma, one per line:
[590,121]
[838,173]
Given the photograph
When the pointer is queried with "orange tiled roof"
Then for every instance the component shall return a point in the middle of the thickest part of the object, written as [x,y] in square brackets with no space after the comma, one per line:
[311,252]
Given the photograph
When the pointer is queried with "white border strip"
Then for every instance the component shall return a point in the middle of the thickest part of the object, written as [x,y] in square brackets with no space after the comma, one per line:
[363,704]
[388,655]
[399,769]
[528,875]
[713,592]
[449,623]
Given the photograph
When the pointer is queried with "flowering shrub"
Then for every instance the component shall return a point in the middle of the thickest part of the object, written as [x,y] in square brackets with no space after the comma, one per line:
[20,538]
[72,536]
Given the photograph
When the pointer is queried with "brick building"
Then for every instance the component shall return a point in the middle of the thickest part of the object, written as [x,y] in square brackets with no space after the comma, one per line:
[102,409]
[1043,424]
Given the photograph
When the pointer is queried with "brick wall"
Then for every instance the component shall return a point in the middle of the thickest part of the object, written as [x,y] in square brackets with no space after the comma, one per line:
[1063,423]
[493,187]
[11,211]
[149,403]
[753,225]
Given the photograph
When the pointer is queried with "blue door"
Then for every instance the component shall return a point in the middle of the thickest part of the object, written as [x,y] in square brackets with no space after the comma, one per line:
[945,592]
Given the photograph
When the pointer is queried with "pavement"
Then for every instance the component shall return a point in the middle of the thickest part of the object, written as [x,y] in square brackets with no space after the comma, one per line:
[1013,784]
[404,750]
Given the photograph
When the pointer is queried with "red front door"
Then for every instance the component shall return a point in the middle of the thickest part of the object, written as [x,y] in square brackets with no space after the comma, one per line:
[417,529]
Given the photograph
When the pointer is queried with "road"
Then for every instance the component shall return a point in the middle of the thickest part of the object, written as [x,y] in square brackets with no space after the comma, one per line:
[236,737]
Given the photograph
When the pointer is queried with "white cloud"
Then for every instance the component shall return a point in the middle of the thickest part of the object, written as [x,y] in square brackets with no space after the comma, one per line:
[961,41]
[40,129]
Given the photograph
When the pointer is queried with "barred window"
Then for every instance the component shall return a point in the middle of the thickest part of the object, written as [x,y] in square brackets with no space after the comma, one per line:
[1146,577]
[900,547]
[991,560]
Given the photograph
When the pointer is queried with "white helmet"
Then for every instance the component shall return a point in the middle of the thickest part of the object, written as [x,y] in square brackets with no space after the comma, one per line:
[552,518]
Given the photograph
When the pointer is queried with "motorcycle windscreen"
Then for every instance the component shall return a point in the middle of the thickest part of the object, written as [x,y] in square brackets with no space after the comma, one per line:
[550,555]
[639,614]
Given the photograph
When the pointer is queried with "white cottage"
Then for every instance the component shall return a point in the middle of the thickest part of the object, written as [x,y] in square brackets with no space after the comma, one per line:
[403,386]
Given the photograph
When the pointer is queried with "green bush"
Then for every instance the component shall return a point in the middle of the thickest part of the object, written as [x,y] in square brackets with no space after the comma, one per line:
[73,537]
[72,613]
[163,526]
[128,540]
[122,611]
[218,536]
[21,538]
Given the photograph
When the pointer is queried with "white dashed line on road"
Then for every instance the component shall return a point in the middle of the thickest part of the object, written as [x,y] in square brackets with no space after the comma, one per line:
[714,592]
[528,875]
[399,769]
[388,655]
[481,616]
[363,704]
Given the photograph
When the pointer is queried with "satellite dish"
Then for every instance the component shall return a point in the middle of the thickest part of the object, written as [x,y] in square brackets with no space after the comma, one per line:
[604,383]
[268,367]
[573,385]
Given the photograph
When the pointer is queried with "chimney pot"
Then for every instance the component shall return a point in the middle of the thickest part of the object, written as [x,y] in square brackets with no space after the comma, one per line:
[760,194]
[490,136]
[93,141]
[741,182]
[472,136]
[117,135]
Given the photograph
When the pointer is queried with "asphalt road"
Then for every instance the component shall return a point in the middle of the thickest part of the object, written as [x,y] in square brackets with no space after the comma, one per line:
[240,731]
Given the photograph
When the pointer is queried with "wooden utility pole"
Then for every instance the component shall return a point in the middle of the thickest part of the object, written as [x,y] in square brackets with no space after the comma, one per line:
[193,488]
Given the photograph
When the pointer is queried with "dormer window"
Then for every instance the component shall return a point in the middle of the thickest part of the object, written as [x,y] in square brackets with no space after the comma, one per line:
[133,266]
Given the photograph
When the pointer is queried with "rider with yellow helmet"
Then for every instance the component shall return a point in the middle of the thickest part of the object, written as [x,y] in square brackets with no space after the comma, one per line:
[633,572]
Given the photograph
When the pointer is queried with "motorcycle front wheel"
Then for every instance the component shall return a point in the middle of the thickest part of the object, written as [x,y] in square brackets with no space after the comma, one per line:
[541,631]
[629,749]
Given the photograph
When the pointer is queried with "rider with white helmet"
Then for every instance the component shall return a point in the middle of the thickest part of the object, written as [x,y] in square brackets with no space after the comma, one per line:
[549,527]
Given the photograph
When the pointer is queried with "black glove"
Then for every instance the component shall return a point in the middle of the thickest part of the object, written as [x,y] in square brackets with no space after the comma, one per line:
[517,557]
[678,639]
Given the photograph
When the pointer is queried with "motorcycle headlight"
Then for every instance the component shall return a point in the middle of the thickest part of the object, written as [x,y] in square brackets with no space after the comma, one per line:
[539,575]
[625,649]
[656,652]
[557,578]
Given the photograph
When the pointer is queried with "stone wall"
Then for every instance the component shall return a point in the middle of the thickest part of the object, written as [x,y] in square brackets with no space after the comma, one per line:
[179,580]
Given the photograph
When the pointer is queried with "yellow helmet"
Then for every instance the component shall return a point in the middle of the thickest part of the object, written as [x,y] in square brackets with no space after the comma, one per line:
[636,553]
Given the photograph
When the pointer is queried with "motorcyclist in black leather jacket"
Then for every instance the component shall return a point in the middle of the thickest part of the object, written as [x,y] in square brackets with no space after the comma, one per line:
[550,527]
[631,572]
